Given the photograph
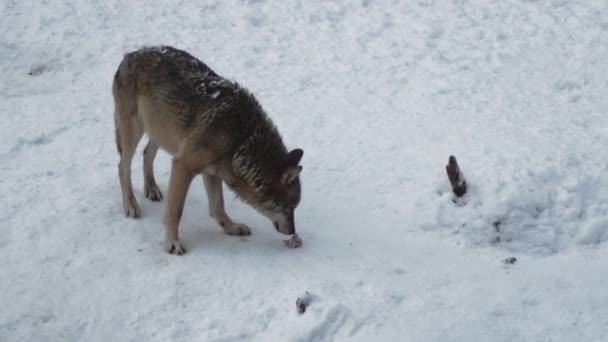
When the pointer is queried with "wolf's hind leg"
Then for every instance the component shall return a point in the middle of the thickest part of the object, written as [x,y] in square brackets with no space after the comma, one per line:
[151,189]
[215,196]
[129,134]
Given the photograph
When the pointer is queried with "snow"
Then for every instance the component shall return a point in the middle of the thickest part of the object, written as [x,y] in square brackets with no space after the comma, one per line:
[541,210]
[378,94]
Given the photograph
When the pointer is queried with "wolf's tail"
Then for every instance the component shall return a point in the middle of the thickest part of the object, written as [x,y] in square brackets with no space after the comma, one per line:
[117,134]
[116,128]
[118,147]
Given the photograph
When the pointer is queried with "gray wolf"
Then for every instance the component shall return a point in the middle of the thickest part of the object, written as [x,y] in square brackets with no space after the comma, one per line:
[210,126]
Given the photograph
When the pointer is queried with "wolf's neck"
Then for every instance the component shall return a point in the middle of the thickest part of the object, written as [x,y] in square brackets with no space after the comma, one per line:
[258,161]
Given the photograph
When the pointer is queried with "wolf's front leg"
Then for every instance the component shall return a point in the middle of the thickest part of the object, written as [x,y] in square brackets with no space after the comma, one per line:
[179,182]
[215,196]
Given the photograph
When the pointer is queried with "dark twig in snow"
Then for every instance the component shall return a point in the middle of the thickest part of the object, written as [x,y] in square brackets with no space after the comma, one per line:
[459,184]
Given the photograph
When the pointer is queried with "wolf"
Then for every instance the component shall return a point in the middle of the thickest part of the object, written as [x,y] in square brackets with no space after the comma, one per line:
[210,126]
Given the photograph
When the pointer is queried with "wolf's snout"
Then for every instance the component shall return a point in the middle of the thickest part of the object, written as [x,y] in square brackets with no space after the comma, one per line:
[291,230]
[285,223]
[285,228]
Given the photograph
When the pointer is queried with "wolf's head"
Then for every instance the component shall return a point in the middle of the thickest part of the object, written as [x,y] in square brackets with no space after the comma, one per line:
[274,190]
[284,193]
[266,176]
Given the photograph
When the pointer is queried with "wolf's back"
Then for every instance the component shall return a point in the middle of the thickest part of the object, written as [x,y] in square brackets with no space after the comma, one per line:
[200,100]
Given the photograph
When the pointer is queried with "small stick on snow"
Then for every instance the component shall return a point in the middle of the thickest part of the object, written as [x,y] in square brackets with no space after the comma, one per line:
[459,184]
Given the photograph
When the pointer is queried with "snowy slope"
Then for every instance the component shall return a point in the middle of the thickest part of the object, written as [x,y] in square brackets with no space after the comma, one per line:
[378,94]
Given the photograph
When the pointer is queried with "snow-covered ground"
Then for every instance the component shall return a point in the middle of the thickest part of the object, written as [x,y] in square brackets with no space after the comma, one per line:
[378,94]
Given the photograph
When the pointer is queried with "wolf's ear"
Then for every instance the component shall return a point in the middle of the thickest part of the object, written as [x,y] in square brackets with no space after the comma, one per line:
[294,157]
[290,174]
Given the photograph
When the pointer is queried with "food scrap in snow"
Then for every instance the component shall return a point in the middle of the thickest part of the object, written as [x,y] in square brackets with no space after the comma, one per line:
[303,302]
[294,242]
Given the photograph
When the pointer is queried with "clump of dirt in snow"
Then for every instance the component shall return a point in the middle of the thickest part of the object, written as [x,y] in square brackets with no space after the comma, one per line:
[510,261]
[303,302]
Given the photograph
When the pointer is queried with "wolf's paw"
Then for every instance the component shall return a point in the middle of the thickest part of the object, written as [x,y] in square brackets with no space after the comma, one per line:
[174,247]
[131,208]
[152,192]
[237,229]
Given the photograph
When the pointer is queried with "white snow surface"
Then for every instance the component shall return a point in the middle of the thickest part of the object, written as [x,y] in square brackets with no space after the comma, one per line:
[378,94]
